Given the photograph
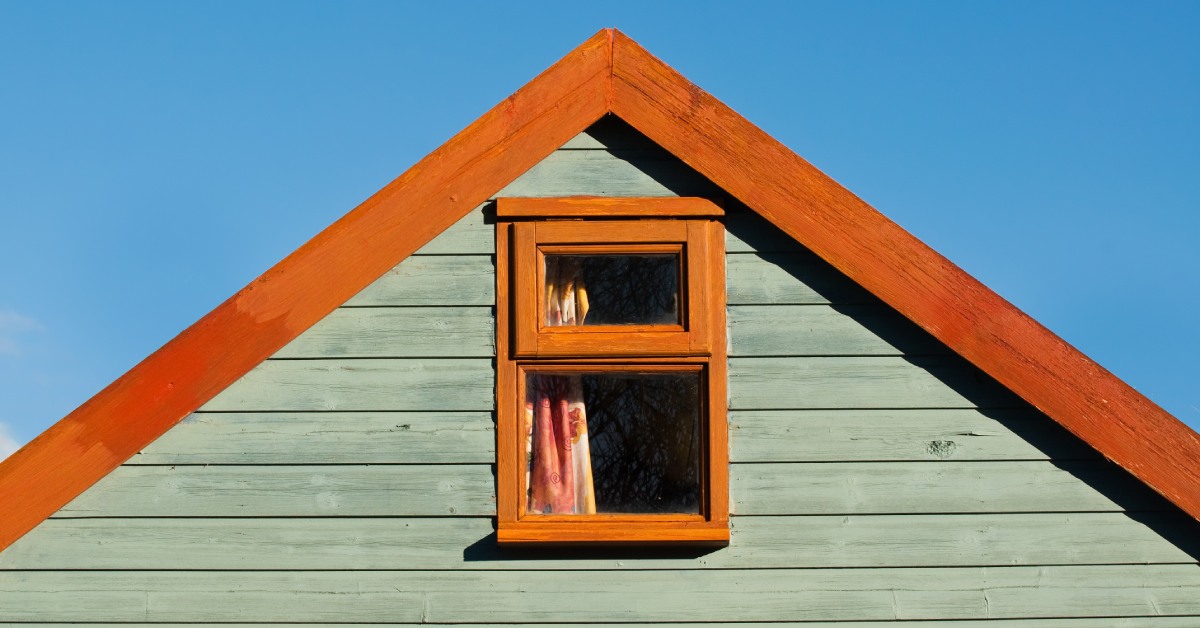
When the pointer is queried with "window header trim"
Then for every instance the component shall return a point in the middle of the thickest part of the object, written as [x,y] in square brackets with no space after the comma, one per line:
[517,208]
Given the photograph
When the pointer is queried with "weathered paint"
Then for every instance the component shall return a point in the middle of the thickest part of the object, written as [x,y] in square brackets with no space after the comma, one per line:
[1093,622]
[300,438]
[367,384]
[597,596]
[462,280]
[468,542]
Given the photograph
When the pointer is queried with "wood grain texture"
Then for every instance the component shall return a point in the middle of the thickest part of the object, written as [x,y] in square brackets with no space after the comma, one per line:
[747,232]
[756,489]
[509,455]
[861,383]
[471,235]
[609,173]
[400,332]
[624,531]
[914,279]
[296,293]
[818,330]
[289,491]
[935,487]
[607,207]
[788,278]
[717,462]
[688,239]
[457,543]
[389,385]
[302,438]
[614,134]
[899,435]
[1091,622]
[637,596]
[432,280]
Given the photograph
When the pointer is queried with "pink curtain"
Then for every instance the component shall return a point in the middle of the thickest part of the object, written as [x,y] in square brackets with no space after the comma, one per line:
[566,296]
[558,458]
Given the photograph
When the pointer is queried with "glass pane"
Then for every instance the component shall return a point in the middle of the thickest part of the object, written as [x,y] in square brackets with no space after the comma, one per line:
[614,442]
[612,289]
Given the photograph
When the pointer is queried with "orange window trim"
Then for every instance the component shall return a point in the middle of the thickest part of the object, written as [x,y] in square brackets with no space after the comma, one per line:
[533,239]
[524,345]
[575,207]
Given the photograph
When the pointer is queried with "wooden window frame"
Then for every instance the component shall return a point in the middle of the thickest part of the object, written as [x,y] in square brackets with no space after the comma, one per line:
[526,229]
[533,240]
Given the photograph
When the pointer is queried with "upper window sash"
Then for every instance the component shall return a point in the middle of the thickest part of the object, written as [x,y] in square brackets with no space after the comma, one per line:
[690,240]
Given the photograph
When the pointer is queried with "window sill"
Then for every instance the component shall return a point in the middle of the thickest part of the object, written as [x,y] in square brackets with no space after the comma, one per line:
[614,530]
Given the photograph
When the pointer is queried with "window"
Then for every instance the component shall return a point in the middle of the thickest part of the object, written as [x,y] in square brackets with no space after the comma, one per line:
[635,278]
[611,371]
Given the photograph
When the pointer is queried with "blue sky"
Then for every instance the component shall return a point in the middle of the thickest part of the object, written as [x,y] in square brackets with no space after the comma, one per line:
[156,157]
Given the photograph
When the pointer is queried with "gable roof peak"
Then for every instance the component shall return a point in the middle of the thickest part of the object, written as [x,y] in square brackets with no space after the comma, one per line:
[608,73]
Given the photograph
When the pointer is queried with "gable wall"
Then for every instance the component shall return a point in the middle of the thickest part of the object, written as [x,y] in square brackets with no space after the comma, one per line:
[874,476]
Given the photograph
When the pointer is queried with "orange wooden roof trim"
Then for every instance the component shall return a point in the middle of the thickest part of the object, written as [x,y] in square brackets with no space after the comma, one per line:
[875,252]
[297,292]
[609,73]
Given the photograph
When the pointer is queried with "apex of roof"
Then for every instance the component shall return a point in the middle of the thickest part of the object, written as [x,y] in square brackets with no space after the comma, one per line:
[607,74]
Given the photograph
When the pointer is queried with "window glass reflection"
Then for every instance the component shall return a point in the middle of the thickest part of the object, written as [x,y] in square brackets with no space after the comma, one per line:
[612,289]
[615,442]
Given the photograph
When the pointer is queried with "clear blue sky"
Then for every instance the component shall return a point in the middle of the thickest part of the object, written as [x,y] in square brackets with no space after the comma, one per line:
[155,157]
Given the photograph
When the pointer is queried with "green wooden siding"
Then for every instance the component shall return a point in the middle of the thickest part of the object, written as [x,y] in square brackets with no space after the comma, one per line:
[1094,622]
[420,596]
[875,476]
[463,542]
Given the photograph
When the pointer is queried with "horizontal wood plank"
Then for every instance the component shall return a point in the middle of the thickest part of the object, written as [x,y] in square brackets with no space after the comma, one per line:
[289,491]
[325,438]
[860,382]
[473,234]
[747,232]
[755,489]
[398,332]
[882,435]
[935,488]
[345,543]
[787,278]
[433,280]
[959,540]
[609,173]
[595,596]
[796,330]
[371,385]
[1091,622]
